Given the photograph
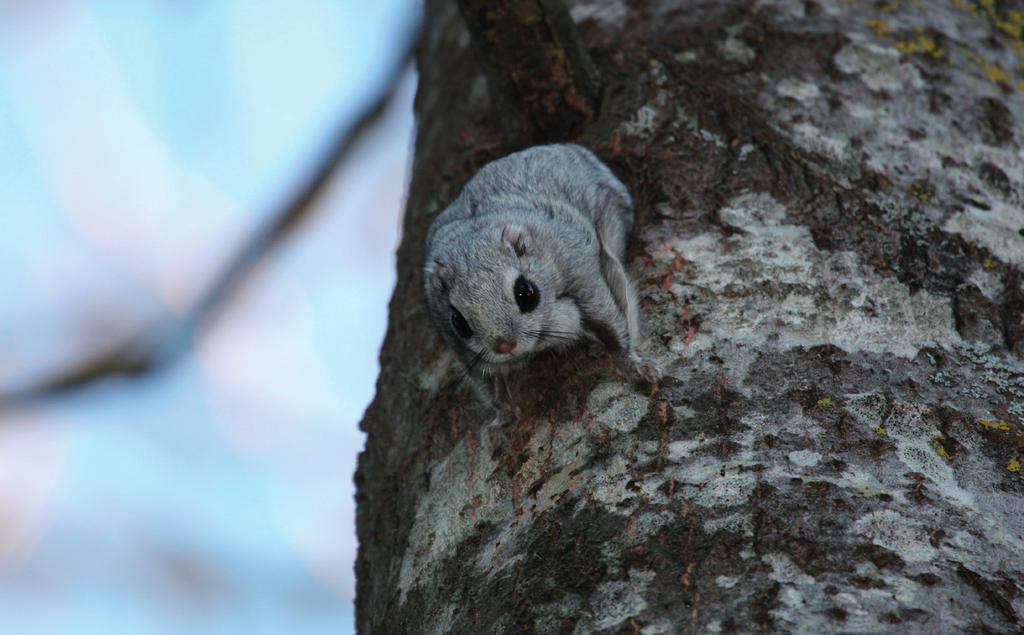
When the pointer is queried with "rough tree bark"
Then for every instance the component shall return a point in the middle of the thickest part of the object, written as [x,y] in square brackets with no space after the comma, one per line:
[544,83]
[828,254]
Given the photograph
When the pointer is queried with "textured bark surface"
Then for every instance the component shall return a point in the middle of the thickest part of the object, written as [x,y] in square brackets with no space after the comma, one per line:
[547,86]
[830,201]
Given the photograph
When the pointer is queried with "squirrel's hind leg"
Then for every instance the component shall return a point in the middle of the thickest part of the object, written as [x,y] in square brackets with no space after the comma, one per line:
[632,362]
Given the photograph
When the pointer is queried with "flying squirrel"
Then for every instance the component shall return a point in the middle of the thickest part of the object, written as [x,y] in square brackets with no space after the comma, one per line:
[528,258]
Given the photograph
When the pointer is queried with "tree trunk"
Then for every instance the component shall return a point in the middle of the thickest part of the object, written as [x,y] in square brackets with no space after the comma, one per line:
[828,250]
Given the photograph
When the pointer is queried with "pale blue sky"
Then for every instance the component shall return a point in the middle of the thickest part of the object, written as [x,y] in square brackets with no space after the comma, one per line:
[139,140]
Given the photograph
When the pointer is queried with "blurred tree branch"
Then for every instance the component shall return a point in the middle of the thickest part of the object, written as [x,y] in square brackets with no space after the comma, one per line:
[161,345]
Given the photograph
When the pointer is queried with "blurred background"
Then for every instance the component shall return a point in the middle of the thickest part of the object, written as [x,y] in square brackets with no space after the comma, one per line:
[142,142]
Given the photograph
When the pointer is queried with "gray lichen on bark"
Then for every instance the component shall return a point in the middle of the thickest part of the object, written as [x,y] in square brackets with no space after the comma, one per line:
[830,201]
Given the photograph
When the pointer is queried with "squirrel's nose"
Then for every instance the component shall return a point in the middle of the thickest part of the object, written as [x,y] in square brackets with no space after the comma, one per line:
[503,346]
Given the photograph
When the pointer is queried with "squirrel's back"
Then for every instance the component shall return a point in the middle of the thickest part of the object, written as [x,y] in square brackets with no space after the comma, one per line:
[550,178]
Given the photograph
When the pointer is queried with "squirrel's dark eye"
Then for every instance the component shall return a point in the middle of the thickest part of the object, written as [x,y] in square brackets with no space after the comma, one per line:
[527,294]
[460,325]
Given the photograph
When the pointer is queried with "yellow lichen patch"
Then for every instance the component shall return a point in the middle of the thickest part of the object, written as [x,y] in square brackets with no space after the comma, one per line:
[880,28]
[881,431]
[923,44]
[929,46]
[921,191]
[825,402]
[906,46]
[1013,465]
[1010,27]
[988,263]
[940,449]
[995,425]
[1012,24]
[994,73]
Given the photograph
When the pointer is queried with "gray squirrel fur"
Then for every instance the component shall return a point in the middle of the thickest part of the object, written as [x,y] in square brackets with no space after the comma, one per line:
[556,216]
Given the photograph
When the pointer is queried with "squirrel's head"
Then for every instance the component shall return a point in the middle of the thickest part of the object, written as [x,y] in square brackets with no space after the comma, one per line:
[497,291]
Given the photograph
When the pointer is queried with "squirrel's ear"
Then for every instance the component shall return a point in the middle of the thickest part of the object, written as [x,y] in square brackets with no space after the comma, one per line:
[438,275]
[515,237]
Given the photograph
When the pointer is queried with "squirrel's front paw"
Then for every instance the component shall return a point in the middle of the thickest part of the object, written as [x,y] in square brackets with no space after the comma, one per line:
[641,369]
